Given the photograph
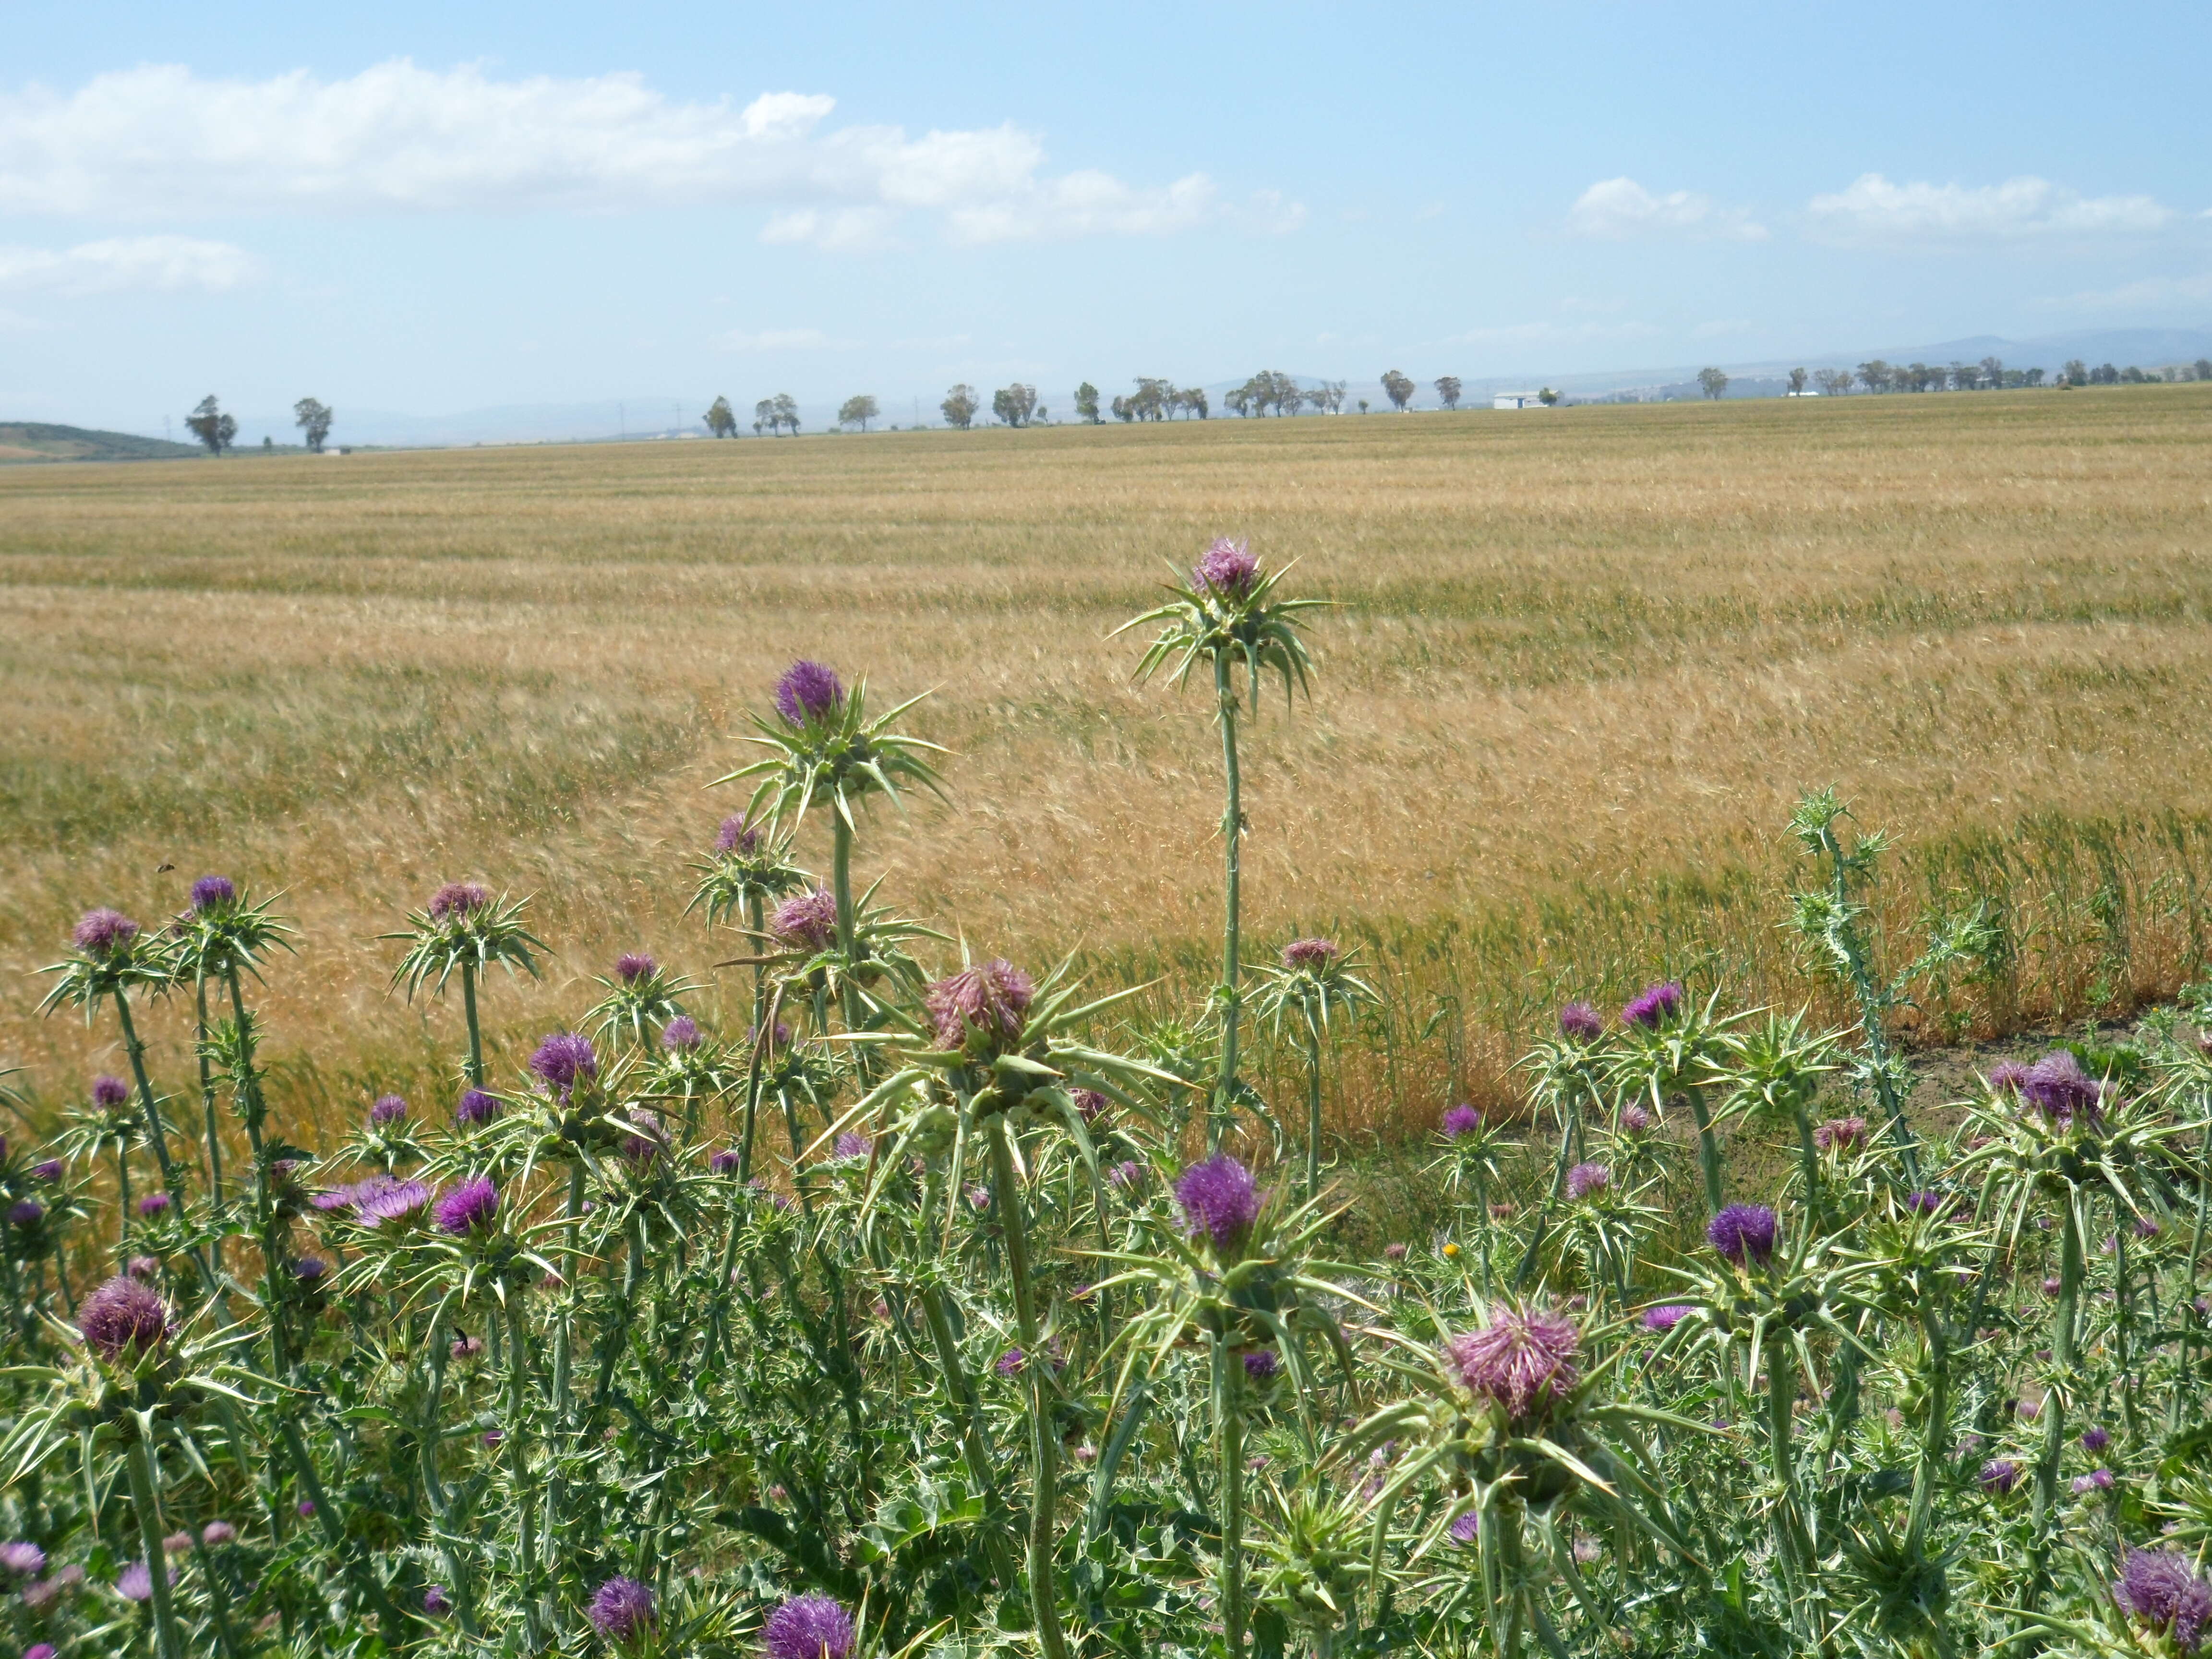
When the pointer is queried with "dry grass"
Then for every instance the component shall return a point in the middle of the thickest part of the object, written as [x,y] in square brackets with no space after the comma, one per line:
[1586,661]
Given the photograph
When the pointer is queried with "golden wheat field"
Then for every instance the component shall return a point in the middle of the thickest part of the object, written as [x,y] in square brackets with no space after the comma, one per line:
[1585,661]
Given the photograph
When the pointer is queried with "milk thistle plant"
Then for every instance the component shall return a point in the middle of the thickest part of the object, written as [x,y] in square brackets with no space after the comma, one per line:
[463,928]
[1313,981]
[1227,616]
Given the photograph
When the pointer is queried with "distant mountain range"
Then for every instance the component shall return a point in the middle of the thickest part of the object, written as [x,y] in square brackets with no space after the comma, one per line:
[662,417]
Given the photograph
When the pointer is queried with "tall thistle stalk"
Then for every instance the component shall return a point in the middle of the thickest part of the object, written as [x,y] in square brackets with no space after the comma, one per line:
[1314,982]
[463,930]
[751,866]
[1227,616]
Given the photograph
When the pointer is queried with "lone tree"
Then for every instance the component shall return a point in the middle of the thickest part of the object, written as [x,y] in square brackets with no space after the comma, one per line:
[960,406]
[211,426]
[1448,391]
[721,420]
[1713,381]
[1087,403]
[1397,388]
[1797,378]
[858,411]
[1015,404]
[313,418]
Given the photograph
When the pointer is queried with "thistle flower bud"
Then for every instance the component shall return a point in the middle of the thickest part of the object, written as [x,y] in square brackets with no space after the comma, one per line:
[435,1603]
[310,1270]
[1654,1006]
[381,1198]
[726,1161]
[154,1204]
[123,1321]
[1635,1119]
[1523,1359]
[2095,1480]
[2095,1438]
[2056,1086]
[102,933]
[387,1110]
[737,834]
[634,966]
[1581,1022]
[216,1533]
[1467,1529]
[1839,1135]
[2006,1077]
[1743,1232]
[49,1171]
[458,899]
[1010,1363]
[110,1092]
[144,1268]
[807,691]
[476,1106]
[1262,1364]
[26,1212]
[622,1610]
[2158,1587]
[808,1627]
[1126,1177]
[136,1581]
[213,893]
[849,1147]
[1999,1476]
[1218,1199]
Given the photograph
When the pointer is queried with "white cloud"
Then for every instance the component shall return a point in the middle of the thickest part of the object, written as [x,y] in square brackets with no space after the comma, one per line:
[1874,209]
[2150,294]
[1621,209]
[161,142]
[781,339]
[125,262]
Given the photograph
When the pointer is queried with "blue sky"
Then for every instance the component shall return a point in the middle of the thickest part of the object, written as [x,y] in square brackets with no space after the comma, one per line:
[434,208]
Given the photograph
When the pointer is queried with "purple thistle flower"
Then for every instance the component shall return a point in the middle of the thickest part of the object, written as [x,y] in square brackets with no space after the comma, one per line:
[309,1270]
[123,1319]
[381,1198]
[1666,1317]
[1839,1135]
[1126,1177]
[2056,1086]
[24,1560]
[2053,1285]
[2095,1480]
[808,922]
[306,1506]
[213,893]
[642,1147]
[1089,1103]
[434,1604]
[1587,1178]
[51,1170]
[1218,1199]
[39,1649]
[622,1610]
[387,1110]
[992,997]
[1635,1119]
[476,1106]
[737,834]
[849,1146]
[2146,1227]
[681,1035]
[2157,1587]
[2095,1438]
[635,966]
[102,932]
[1395,1250]
[1010,1363]
[1465,1530]
[1743,1232]
[564,1059]
[26,1212]
[726,1161]
[469,1208]
[1581,1022]
[458,899]
[1226,568]
[1654,1006]
[1309,956]
[136,1581]
[1262,1364]
[1460,1121]
[1521,1360]
[154,1204]
[807,691]
[109,1091]
[1999,1476]
[808,1627]
[978,1197]
[1923,1202]
[216,1533]
[2007,1076]
[466,1348]
[142,1267]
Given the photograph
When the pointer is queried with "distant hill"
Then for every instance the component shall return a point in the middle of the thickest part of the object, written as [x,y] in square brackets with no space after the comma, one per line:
[34,441]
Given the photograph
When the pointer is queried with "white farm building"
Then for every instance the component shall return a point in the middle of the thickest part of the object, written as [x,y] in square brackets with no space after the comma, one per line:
[1516,400]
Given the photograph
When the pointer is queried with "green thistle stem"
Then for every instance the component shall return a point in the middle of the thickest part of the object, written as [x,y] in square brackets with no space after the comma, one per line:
[518,1464]
[475,1032]
[143,1499]
[207,1107]
[840,877]
[136,1051]
[763,1038]
[1313,1111]
[1229,1441]
[1708,1149]
[2054,1400]
[1044,1446]
[1232,835]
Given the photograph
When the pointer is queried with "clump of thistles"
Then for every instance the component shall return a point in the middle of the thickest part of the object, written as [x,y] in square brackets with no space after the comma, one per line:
[808,1627]
[123,1321]
[807,691]
[1218,1200]
[992,998]
[1523,1360]
[1743,1232]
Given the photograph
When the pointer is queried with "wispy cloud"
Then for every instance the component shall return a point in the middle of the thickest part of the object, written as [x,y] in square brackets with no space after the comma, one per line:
[160,142]
[1872,208]
[1621,209]
[125,262]
[781,339]
[2147,294]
